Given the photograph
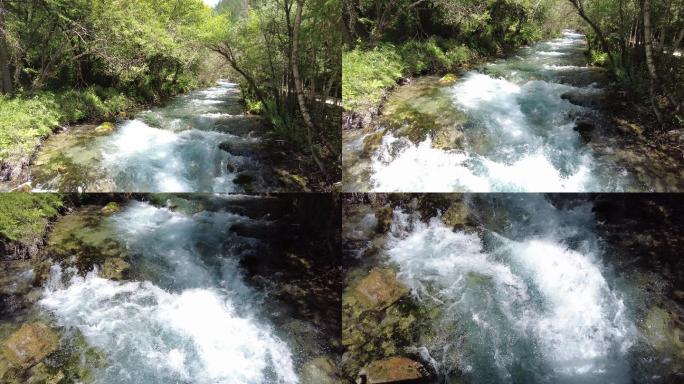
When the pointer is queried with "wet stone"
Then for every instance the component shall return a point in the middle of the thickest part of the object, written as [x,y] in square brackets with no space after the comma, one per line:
[380,289]
[320,370]
[393,370]
[30,344]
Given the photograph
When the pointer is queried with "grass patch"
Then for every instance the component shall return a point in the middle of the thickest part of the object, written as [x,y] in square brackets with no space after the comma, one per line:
[24,120]
[24,215]
[368,73]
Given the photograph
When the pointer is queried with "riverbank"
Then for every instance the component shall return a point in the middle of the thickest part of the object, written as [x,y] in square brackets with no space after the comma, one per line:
[26,122]
[258,255]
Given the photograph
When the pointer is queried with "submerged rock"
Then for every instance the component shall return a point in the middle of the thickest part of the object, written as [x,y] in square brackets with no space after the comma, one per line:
[393,370]
[114,268]
[380,289]
[320,370]
[30,344]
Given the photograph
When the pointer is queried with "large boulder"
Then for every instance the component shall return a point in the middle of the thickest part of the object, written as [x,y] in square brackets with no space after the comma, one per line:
[393,370]
[456,216]
[590,100]
[30,344]
[379,289]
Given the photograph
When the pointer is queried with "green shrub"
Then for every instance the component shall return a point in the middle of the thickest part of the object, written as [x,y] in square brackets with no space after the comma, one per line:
[22,121]
[367,74]
[24,215]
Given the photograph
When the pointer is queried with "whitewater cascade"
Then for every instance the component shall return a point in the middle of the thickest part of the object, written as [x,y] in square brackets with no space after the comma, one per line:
[519,136]
[533,306]
[192,320]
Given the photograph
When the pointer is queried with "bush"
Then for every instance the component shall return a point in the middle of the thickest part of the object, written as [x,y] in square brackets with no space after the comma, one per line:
[366,75]
[22,121]
[24,215]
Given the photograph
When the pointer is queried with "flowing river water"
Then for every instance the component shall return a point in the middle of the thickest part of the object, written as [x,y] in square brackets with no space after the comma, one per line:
[187,311]
[531,294]
[174,148]
[508,126]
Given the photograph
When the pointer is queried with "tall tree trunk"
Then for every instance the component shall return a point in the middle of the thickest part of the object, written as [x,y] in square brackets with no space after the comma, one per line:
[5,76]
[652,74]
[299,87]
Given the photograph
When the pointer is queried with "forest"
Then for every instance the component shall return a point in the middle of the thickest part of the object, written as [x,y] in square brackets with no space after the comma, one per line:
[611,70]
[66,62]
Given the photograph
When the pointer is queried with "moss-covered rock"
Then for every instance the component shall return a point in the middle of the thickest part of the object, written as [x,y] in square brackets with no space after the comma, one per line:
[457,215]
[30,344]
[114,268]
[394,369]
[110,209]
[379,289]
[448,79]
[105,128]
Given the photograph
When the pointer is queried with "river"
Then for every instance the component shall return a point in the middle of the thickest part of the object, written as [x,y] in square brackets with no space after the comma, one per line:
[173,148]
[521,289]
[508,126]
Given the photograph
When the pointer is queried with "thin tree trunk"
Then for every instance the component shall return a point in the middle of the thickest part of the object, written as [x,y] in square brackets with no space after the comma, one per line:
[298,85]
[6,78]
[652,74]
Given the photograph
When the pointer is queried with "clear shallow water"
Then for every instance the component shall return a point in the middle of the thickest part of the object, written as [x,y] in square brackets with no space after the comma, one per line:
[174,148]
[518,135]
[531,302]
[192,319]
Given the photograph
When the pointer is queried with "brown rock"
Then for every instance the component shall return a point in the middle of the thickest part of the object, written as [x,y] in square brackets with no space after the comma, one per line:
[393,370]
[30,344]
[384,219]
[380,289]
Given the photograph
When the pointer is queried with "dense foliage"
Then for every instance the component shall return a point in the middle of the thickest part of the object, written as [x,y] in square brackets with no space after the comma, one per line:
[286,54]
[389,39]
[23,215]
[640,41]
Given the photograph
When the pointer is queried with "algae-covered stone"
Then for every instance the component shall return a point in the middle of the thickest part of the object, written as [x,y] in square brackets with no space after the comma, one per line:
[456,216]
[392,370]
[110,209]
[320,370]
[447,138]
[372,142]
[30,344]
[380,289]
[448,79]
[114,268]
[41,374]
[84,239]
[662,333]
[105,128]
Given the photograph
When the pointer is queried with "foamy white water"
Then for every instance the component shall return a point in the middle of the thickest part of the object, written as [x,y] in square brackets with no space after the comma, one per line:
[193,320]
[176,148]
[524,309]
[519,135]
